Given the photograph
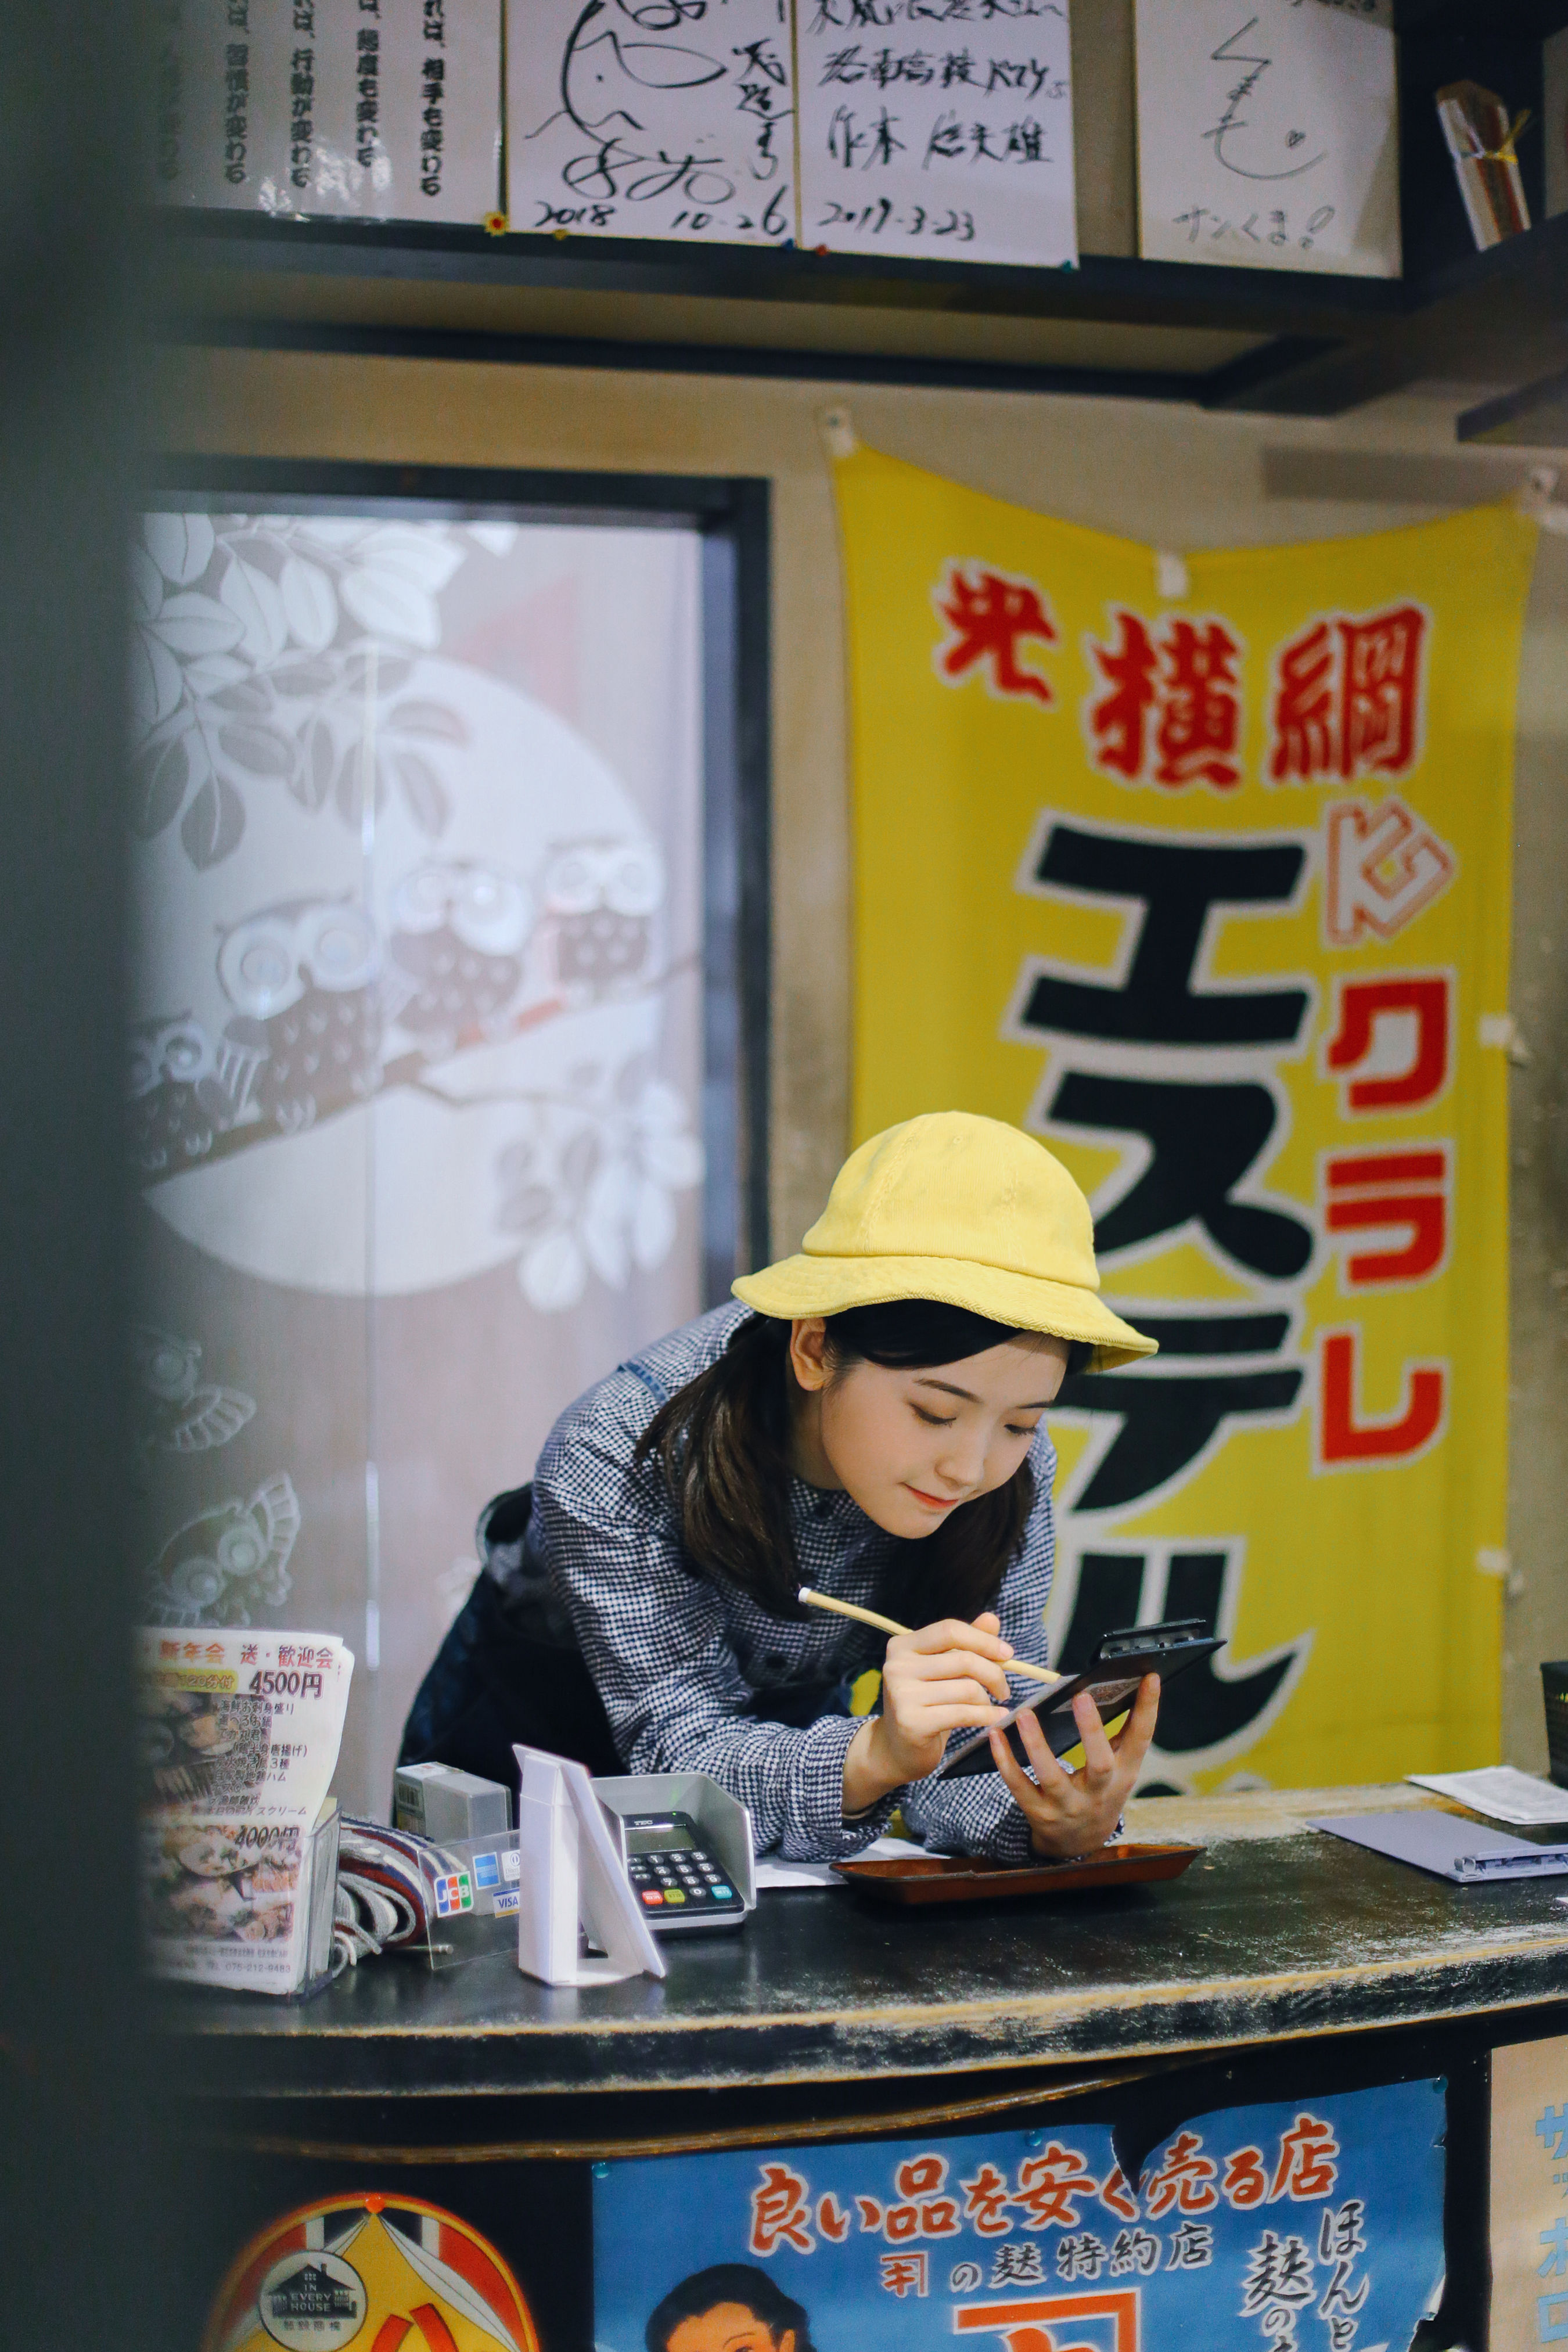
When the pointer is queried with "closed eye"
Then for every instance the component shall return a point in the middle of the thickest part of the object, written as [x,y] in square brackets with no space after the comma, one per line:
[933,1420]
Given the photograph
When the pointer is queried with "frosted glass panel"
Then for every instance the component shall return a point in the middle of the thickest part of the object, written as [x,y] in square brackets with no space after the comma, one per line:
[415,1057]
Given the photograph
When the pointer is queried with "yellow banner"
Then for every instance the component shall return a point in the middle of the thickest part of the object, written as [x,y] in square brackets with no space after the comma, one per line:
[1201,872]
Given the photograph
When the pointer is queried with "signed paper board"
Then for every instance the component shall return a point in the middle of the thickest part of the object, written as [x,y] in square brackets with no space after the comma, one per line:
[672,122]
[937,137]
[1529,2194]
[1268,135]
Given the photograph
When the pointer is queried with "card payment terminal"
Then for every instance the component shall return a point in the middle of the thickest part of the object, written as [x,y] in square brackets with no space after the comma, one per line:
[676,1879]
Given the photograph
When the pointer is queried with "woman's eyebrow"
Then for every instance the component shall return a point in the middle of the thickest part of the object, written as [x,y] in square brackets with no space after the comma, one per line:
[949,1388]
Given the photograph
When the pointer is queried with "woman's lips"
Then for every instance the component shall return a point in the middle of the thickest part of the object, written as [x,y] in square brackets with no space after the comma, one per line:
[935,1502]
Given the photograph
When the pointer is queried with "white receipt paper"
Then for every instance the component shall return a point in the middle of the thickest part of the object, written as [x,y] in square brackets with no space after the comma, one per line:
[1269,135]
[1464,1851]
[1499,1793]
[774,1875]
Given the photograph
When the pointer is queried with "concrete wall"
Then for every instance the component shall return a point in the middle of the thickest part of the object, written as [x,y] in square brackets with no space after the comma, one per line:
[1171,476]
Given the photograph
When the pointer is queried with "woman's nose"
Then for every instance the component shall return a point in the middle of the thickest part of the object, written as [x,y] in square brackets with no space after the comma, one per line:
[962,1459]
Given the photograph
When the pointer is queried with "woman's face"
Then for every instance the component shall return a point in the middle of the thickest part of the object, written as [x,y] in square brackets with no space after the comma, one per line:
[910,1446]
[728,2327]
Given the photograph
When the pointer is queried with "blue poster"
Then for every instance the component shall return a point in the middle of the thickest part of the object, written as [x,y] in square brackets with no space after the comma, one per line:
[1312,2227]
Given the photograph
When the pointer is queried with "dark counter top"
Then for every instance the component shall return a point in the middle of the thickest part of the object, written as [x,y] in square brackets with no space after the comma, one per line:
[1278,1931]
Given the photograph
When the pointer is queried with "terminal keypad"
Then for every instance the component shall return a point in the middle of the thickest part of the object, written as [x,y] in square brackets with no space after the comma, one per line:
[677,1882]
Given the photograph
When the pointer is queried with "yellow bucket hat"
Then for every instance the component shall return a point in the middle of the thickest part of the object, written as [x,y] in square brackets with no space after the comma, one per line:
[961,1209]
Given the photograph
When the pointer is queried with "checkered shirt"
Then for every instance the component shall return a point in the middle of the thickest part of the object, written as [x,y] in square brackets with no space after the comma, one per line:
[679,1658]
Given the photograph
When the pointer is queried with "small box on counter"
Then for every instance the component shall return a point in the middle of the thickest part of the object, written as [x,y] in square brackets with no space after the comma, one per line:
[436,1800]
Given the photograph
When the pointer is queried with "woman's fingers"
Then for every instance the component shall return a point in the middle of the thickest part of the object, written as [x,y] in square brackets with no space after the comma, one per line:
[1131,1742]
[961,1690]
[943,1665]
[1071,1813]
[953,1633]
[1023,1789]
[1032,1732]
[1099,1760]
[1050,1785]
[957,1716]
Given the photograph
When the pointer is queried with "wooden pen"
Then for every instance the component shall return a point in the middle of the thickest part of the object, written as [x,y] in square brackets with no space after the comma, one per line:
[891,1625]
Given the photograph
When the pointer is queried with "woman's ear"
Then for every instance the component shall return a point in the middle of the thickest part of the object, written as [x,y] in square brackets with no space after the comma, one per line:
[808,1351]
[786,2341]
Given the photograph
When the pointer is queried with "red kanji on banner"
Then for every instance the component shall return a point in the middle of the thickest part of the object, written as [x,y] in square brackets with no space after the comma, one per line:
[1200,706]
[927,2214]
[906,2274]
[832,2220]
[1183,2181]
[1171,709]
[1245,2182]
[779,2214]
[1347,698]
[1023,2323]
[1344,1439]
[1306,2167]
[1418,1002]
[1382,1192]
[989,615]
[1115,2194]
[1048,2186]
[985,2202]
[1118,720]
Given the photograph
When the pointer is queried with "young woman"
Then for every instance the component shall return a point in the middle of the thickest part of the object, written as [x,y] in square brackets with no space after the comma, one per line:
[730,2309]
[868,1421]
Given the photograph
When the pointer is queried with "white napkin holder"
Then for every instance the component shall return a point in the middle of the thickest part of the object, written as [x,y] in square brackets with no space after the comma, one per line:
[573,1886]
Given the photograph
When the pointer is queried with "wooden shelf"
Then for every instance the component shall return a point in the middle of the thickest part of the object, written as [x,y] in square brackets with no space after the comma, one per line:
[1102,287]
[1306,345]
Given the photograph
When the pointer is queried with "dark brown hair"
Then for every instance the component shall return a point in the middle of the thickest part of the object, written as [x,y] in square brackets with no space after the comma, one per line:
[735,2282]
[723,1442]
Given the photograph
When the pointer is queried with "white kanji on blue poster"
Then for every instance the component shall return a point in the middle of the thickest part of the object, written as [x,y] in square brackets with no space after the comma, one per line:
[1315,2226]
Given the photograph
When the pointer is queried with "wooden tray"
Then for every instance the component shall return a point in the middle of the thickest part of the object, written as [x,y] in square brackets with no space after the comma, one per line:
[974,1878]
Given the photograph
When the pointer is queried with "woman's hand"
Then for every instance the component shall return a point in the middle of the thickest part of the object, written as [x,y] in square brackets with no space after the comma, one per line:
[943,1677]
[1073,1813]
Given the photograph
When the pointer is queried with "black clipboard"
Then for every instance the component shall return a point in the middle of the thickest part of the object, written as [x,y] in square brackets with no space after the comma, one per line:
[1111,1676]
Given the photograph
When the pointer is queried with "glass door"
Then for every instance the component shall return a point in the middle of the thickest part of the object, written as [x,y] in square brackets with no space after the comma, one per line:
[422,1049]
